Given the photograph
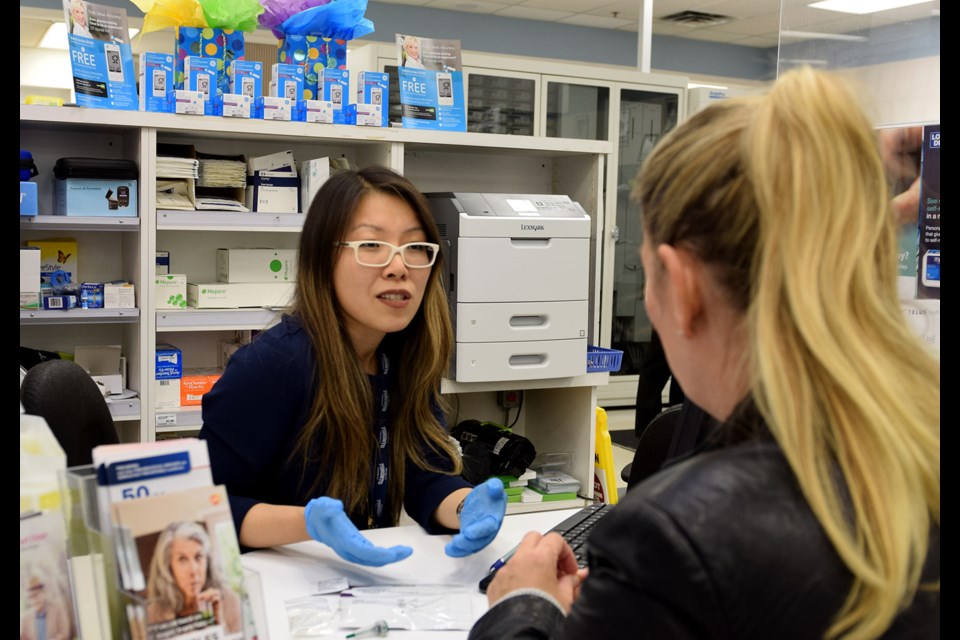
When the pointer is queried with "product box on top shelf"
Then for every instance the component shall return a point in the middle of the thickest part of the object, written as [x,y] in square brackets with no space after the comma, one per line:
[246,78]
[95,187]
[373,88]
[316,53]
[336,89]
[156,82]
[200,75]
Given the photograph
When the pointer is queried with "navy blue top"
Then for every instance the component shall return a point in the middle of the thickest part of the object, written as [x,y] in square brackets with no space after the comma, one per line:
[254,414]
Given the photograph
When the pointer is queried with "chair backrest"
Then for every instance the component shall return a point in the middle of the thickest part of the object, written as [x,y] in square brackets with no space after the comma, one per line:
[69,400]
[653,446]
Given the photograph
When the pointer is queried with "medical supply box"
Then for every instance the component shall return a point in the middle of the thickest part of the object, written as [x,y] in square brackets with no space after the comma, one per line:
[518,283]
[95,187]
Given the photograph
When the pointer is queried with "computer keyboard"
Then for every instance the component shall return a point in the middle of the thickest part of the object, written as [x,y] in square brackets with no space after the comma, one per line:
[575,530]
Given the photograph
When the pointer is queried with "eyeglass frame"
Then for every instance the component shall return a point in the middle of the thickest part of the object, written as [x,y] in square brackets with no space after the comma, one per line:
[394,250]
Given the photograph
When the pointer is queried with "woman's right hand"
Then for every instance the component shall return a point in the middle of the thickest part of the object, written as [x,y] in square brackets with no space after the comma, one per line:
[210,600]
[541,562]
[327,523]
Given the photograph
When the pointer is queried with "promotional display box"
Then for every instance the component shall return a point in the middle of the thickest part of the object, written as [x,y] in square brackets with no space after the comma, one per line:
[200,75]
[373,88]
[224,45]
[315,53]
[168,370]
[156,82]
[246,78]
[59,260]
[95,187]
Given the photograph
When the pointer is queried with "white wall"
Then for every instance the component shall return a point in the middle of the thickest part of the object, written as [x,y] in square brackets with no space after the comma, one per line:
[901,92]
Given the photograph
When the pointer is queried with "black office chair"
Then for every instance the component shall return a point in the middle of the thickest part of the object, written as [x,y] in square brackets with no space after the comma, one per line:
[69,400]
[653,446]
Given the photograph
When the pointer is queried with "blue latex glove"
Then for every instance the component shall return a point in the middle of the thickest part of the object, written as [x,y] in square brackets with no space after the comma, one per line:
[327,523]
[480,519]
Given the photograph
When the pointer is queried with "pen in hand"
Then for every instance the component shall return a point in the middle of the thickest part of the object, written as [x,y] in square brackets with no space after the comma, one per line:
[502,560]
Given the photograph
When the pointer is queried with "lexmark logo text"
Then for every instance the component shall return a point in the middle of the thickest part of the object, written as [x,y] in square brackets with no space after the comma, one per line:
[531,227]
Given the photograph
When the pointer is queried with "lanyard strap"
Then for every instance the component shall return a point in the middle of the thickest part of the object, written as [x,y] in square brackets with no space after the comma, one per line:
[381,457]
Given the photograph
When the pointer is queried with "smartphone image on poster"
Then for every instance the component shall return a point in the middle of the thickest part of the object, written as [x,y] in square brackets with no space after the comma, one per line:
[336,95]
[114,62]
[203,85]
[290,90]
[376,95]
[930,268]
[444,89]
[123,196]
[159,83]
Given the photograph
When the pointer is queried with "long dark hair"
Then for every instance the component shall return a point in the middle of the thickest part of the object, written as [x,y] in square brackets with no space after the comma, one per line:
[338,433]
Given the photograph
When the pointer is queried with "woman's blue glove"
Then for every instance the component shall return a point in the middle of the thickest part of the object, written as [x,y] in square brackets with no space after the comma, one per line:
[480,519]
[327,523]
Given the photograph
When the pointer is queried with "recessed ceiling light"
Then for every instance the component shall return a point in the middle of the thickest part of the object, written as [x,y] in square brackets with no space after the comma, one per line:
[698,85]
[816,35]
[861,7]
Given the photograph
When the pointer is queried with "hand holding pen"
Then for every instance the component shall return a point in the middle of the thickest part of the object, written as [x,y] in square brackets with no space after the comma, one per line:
[539,562]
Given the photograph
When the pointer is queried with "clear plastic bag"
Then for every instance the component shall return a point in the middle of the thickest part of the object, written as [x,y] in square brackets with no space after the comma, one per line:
[417,607]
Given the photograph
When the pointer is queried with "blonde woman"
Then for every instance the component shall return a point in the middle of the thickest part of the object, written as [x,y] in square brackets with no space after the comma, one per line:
[814,510]
[185,584]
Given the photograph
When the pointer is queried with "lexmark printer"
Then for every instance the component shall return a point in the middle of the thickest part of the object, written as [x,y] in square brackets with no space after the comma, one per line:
[518,283]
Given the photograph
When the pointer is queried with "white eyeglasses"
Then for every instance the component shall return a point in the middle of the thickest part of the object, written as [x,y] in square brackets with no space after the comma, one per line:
[374,253]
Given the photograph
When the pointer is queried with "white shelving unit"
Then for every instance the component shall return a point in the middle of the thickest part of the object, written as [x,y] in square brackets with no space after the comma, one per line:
[557,415]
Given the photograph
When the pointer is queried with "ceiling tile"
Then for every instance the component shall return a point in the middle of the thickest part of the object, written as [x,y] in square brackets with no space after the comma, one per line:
[468,6]
[626,9]
[573,6]
[599,22]
[530,13]
[765,24]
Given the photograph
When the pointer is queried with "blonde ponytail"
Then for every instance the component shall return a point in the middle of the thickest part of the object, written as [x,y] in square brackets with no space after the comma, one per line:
[840,378]
[784,197]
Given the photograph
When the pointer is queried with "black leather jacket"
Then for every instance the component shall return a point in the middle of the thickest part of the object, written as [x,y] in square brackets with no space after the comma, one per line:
[722,545]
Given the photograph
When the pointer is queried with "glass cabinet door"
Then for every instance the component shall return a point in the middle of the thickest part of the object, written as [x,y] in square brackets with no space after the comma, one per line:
[575,110]
[645,116]
[500,103]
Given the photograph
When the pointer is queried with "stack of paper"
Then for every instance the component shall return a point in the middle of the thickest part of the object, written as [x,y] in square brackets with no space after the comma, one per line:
[222,173]
[169,167]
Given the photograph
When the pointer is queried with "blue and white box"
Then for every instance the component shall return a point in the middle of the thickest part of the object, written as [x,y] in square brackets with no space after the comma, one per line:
[318,111]
[287,81]
[156,82]
[168,371]
[188,102]
[91,295]
[273,108]
[273,192]
[336,87]
[247,78]
[373,88]
[200,74]
[368,115]
[236,106]
[28,198]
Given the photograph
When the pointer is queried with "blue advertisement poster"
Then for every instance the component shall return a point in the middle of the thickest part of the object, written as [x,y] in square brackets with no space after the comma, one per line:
[431,83]
[100,55]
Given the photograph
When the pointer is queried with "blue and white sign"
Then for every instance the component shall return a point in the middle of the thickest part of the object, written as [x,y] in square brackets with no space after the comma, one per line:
[100,56]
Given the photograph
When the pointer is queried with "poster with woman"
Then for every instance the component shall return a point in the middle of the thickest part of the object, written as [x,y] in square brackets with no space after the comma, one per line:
[183,547]
[100,55]
[46,604]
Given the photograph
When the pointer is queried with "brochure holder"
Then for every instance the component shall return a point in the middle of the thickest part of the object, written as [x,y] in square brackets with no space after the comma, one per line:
[104,608]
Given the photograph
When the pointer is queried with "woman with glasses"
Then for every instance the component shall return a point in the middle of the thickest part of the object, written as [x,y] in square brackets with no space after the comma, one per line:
[331,421]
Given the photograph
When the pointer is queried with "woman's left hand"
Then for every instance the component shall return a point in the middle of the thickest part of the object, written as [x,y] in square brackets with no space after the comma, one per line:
[480,519]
